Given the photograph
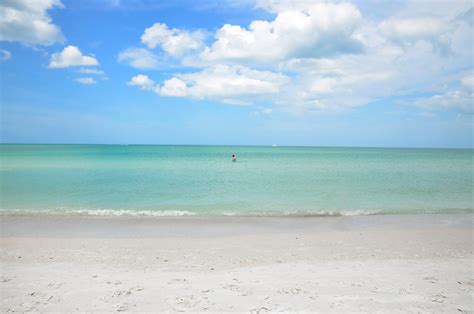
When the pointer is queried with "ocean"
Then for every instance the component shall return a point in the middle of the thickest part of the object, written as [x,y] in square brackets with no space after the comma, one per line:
[202,180]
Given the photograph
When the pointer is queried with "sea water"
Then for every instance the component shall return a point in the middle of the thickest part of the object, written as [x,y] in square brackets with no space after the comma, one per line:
[202,180]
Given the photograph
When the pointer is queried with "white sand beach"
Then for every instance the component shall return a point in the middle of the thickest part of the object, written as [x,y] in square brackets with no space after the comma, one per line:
[416,263]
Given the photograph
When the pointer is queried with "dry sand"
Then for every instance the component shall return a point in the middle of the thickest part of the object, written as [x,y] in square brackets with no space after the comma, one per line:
[416,263]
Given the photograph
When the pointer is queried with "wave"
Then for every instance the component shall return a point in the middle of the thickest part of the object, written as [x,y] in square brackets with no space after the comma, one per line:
[315,213]
[177,213]
[98,212]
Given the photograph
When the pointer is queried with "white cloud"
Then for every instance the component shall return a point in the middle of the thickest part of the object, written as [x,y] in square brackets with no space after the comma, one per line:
[458,99]
[5,55]
[410,30]
[86,80]
[174,87]
[27,22]
[468,81]
[71,56]
[319,29]
[436,23]
[230,84]
[336,84]
[139,58]
[226,83]
[385,69]
[448,10]
[175,42]
[413,29]
[328,56]
[142,81]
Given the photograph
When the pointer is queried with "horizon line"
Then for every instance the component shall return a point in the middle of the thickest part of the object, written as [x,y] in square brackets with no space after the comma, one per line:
[235,145]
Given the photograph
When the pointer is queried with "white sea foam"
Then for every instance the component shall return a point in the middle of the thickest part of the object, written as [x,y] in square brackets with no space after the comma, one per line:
[313,213]
[97,212]
[63,211]
[173,213]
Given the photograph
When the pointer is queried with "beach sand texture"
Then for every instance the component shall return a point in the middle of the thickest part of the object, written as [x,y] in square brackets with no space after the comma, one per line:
[416,263]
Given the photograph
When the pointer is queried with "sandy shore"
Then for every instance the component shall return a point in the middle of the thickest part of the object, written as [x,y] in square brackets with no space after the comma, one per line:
[374,263]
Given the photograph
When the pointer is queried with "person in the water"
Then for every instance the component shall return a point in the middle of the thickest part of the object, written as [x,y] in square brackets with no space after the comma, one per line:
[234,158]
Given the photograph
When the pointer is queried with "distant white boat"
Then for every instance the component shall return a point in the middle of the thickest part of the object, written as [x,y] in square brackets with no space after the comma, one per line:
[274,145]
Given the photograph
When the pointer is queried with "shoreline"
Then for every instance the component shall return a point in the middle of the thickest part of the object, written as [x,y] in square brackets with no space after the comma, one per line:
[387,263]
[251,214]
[158,226]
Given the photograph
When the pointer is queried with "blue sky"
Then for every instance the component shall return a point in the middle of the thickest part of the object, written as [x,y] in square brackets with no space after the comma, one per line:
[321,73]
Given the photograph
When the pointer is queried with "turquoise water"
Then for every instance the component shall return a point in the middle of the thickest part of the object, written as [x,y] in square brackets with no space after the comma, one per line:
[173,180]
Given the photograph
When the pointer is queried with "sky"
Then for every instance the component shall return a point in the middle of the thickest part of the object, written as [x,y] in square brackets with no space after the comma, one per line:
[370,73]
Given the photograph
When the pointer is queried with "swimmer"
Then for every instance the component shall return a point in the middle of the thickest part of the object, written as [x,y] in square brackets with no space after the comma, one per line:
[234,158]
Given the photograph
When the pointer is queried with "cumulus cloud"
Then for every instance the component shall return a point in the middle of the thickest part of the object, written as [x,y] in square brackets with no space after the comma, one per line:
[5,55]
[336,84]
[229,84]
[69,57]
[139,58]
[225,82]
[326,56]
[28,22]
[316,30]
[410,30]
[86,80]
[174,42]
[174,87]
[143,81]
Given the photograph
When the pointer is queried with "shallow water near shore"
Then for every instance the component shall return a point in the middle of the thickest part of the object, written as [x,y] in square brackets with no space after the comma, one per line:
[202,180]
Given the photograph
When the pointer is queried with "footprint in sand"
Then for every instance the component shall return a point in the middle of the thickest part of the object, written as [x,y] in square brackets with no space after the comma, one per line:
[470,282]
[55,285]
[260,309]
[114,283]
[121,293]
[294,291]
[43,298]
[431,279]
[5,279]
[52,299]
[231,287]
[439,298]
[178,281]
[124,307]
[466,285]
[314,297]
[186,302]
